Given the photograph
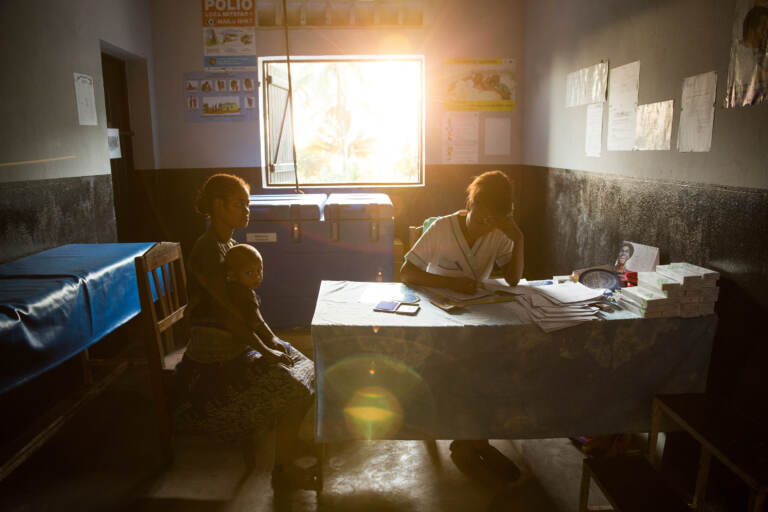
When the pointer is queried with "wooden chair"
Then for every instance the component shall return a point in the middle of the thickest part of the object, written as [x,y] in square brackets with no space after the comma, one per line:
[163,295]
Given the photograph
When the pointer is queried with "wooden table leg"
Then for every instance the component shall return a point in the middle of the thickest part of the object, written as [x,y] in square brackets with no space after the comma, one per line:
[653,437]
[699,495]
[586,478]
[756,501]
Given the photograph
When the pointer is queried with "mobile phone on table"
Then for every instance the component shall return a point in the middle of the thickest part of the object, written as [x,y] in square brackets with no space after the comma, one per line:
[387,306]
[407,309]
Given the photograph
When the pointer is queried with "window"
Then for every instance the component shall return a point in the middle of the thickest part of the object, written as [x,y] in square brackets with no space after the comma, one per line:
[359,121]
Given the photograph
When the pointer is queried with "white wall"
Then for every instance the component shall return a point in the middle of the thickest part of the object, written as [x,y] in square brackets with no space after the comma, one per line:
[672,39]
[43,43]
[454,28]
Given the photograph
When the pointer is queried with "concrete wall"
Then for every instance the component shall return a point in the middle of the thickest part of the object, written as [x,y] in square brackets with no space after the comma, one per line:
[672,39]
[453,28]
[55,181]
[44,43]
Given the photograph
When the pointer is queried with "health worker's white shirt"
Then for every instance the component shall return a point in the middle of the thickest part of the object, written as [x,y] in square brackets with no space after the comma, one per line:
[443,250]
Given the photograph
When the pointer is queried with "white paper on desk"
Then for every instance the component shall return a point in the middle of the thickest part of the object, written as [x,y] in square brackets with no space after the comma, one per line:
[623,85]
[654,126]
[447,293]
[593,140]
[569,293]
[586,85]
[697,113]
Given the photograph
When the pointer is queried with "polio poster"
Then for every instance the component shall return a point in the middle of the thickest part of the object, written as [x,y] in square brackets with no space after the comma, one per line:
[748,70]
[229,34]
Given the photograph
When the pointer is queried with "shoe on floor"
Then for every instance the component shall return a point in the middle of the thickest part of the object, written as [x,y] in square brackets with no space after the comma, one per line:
[499,463]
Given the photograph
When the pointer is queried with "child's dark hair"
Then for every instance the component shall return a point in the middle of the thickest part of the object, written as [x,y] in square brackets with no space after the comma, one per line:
[218,186]
[240,255]
[493,190]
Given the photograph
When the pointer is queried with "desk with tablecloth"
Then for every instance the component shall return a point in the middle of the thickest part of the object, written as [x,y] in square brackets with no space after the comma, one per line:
[484,373]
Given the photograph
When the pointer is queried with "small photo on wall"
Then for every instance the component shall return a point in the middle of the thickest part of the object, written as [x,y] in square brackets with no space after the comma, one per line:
[250,102]
[248,84]
[193,103]
[206,86]
[221,85]
[234,85]
[192,85]
[221,106]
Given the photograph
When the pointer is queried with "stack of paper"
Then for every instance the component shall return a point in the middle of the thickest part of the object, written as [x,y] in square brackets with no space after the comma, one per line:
[649,302]
[699,290]
[557,306]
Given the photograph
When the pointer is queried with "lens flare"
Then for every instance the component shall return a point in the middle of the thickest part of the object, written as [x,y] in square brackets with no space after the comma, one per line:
[373,413]
[376,395]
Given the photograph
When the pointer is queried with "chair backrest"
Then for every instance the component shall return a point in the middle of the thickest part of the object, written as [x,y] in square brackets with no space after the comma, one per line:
[163,296]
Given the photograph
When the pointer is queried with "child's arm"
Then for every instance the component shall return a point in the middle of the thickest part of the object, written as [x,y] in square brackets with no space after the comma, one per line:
[252,339]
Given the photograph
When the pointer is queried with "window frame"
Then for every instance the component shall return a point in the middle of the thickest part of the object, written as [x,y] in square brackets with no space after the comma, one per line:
[264,62]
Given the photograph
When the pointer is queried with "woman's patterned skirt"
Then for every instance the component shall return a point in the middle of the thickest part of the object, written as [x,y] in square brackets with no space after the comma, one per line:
[243,395]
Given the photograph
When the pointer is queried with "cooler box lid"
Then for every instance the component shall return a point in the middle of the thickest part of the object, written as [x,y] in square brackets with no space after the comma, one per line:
[358,206]
[287,206]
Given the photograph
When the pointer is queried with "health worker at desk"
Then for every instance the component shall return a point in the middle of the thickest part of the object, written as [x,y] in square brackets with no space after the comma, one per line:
[458,251]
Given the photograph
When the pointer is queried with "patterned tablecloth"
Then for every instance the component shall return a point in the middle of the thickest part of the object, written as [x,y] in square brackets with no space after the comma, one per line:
[485,374]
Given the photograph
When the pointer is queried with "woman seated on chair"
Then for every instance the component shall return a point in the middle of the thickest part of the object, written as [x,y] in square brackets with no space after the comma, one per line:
[229,388]
[459,251]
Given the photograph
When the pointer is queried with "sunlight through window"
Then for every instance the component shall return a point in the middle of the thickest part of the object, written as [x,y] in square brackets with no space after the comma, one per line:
[358,121]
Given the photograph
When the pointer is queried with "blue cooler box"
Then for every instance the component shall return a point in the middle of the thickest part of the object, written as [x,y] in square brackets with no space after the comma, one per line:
[288,231]
[306,238]
[361,234]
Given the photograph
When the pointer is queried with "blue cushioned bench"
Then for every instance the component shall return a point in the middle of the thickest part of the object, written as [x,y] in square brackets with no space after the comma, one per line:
[56,303]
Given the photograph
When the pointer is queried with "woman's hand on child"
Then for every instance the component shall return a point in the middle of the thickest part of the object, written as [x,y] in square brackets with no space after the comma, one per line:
[278,357]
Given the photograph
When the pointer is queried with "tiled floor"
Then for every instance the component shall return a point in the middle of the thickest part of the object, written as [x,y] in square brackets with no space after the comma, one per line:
[107,459]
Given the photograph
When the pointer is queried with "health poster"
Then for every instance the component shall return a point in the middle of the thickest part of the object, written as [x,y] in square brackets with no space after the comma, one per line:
[480,85]
[230,96]
[229,34]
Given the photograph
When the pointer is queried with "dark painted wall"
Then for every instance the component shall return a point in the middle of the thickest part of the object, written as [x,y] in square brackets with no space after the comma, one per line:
[575,219]
[38,215]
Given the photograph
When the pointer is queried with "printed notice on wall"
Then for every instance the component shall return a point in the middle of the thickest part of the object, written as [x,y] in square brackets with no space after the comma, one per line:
[594,133]
[697,113]
[623,85]
[212,97]
[498,136]
[229,34]
[586,85]
[480,84]
[461,137]
[654,126]
[86,102]
[748,69]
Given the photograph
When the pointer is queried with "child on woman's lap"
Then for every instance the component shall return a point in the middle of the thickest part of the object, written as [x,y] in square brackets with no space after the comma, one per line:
[245,271]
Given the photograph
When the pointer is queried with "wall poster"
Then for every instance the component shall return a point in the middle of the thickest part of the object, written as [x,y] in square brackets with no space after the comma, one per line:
[480,85]
[748,69]
[229,34]
[229,96]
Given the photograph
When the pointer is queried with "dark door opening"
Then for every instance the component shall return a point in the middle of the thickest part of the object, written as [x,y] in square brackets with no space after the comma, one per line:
[127,201]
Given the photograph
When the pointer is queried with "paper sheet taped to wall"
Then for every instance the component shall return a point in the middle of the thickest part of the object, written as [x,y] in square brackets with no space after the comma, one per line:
[654,126]
[461,137]
[697,113]
[622,106]
[593,139]
[586,85]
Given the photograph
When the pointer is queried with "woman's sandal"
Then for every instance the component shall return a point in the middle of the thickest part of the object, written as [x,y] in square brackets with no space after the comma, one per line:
[296,476]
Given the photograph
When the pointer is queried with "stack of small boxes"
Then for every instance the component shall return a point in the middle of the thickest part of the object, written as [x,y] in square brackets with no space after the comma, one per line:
[677,289]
